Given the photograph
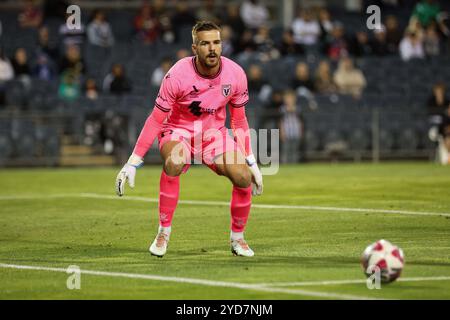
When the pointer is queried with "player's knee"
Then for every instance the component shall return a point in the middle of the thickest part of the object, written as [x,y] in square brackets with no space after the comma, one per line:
[241,178]
[173,168]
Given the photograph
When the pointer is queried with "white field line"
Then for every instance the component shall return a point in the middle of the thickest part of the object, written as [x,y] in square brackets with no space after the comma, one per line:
[337,282]
[224,203]
[237,285]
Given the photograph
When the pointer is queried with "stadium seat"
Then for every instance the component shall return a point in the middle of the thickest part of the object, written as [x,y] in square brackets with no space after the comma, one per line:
[387,142]
[408,139]
[312,140]
[134,101]
[6,148]
[48,139]
[26,145]
[359,139]
[122,24]
[16,94]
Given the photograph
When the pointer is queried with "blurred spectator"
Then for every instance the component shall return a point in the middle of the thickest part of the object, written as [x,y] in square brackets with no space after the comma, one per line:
[269,118]
[416,28]
[207,11]
[336,45]
[30,16]
[146,24]
[323,81]
[426,12]
[21,67]
[45,46]
[72,37]
[438,101]
[72,62]
[233,18]
[257,85]
[245,42]
[444,24]
[6,69]
[445,132]
[265,45]
[302,78]
[166,30]
[6,74]
[431,43]
[379,44]
[69,86]
[326,26]
[438,106]
[393,34]
[182,17]
[290,128]
[288,46]
[227,41]
[90,90]
[44,69]
[159,73]
[254,14]
[306,28]
[116,82]
[360,45]
[99,31]
[411,47]
[349,79]
[274,104]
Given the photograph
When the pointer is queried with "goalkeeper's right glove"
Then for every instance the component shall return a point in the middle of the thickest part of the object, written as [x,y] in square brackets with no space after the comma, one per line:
[128,172]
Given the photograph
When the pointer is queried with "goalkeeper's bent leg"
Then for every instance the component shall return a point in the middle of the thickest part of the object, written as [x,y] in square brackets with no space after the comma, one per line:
[169,190]
[241,201]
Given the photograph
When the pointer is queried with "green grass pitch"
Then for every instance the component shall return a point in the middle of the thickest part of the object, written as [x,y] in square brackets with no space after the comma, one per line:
[47,220]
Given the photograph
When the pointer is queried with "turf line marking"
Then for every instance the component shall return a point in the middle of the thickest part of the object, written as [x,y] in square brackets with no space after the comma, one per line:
[245,286]
[224,203]
[337,282]
[270,206]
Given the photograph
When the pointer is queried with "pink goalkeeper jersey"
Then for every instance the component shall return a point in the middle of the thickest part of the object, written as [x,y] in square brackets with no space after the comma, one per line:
[188,96]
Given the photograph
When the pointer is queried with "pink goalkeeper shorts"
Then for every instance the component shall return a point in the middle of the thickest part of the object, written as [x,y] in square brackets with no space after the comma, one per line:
[204,148]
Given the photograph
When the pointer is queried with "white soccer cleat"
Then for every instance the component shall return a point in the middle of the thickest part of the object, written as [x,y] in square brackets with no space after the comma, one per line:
[240,248]
[159,245]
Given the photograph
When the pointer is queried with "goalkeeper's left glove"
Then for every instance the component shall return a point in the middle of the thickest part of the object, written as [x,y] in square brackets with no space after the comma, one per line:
[257,185]
[128,172]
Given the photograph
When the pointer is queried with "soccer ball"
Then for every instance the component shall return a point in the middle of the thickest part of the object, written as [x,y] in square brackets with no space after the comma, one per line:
[387,257]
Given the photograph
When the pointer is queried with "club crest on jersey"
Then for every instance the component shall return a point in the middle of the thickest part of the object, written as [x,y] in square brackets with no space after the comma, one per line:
[226,89]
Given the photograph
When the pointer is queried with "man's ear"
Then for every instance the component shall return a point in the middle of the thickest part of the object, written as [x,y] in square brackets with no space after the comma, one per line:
[194,49]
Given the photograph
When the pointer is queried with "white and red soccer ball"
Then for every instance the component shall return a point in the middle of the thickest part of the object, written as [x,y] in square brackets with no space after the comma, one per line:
[385,257]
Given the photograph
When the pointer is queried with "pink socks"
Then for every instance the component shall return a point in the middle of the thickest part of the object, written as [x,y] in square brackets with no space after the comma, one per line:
[241,200]
[169,190]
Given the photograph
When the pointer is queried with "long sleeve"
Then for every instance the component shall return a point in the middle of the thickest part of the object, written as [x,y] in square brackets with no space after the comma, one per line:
[151,128]
[163,105]
[241,130]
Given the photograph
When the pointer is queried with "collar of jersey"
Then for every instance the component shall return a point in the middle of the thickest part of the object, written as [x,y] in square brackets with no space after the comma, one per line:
[207,77]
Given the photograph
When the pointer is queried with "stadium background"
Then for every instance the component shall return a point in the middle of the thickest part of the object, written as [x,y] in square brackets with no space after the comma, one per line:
[49,117]
[314,219]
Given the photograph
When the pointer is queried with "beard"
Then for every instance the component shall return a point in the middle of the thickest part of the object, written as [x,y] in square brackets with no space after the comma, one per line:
[209,60]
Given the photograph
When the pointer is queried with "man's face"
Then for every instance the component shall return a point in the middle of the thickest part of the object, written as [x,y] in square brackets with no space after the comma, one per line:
[208,48]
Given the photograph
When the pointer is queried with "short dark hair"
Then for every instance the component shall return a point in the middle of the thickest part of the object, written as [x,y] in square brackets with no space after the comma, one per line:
[203,26]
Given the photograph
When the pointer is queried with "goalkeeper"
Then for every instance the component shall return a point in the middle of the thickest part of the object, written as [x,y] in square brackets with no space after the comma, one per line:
[194,94]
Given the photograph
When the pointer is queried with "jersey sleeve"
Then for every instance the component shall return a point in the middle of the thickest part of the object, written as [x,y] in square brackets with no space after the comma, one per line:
[240,94]
[168,93]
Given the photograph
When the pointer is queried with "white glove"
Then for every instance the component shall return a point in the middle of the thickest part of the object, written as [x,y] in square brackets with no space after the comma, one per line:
[128,172]
[257,186]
